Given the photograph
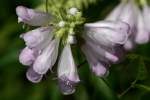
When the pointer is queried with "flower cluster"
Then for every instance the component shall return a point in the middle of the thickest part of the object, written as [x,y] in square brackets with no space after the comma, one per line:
[103,44]
[42,46]
[104,41]
[138,20]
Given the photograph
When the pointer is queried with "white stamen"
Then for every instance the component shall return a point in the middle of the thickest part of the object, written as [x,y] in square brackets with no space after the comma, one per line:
[61,24]
[73,11]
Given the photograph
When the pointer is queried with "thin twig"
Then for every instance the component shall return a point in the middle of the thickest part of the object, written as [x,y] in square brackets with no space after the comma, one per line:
[127,90]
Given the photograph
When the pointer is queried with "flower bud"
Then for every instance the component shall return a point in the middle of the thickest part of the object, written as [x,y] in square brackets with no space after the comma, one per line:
[32,17]
[38,37]
[33,76]
[47,58]
[67,71]
[27,56]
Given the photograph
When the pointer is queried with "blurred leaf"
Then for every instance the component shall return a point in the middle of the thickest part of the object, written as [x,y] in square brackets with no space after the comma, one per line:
[81,93]
[132,56]
[103,88]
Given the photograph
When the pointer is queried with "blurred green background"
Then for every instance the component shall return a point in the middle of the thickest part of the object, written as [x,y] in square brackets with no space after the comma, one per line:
[128,80]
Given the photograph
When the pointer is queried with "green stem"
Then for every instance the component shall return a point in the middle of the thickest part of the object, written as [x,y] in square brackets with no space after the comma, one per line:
[46,7]
[128,89]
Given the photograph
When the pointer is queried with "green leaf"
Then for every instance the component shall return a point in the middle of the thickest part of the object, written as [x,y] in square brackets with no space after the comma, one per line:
[103,88]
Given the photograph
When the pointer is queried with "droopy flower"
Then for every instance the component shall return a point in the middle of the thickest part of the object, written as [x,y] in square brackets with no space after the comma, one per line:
[101,39]
[67,71]
[128,12]
[42,46]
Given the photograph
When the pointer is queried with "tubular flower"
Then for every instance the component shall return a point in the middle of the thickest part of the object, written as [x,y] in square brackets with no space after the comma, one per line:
[42,46]
[101,40]
[67,71]
[129,13]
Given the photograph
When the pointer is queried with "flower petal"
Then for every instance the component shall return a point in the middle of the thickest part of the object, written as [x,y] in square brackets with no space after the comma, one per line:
[142,35]
[146,15]
[47,58]
[106,36]
[100,51]
[129,15]
[116,25]
[129,45]
[116,12]
[67,71]
[27,56]
[38,38]
[32,17]
[95,64]
[33,76]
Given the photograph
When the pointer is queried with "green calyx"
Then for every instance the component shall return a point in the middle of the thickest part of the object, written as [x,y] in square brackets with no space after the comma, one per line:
[65,24]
